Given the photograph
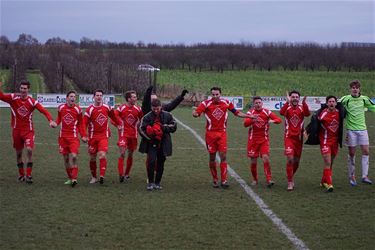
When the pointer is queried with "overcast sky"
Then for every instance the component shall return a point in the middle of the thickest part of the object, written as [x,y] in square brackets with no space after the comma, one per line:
[191,21]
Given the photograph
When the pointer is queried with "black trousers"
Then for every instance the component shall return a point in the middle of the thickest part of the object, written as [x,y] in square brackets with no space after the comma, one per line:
[155,163]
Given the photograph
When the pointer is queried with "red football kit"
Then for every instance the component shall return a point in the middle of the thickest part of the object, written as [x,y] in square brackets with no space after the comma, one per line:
[293,134]
[216,114]
[294,122]
[328,133]
[96,118]
[258,139]
[130,116]
[71,124]
[21,121]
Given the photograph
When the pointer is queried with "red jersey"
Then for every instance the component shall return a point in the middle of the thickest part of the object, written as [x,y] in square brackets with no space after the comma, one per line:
[96,118]
[294,119]
[329,126]
[260,127]
[216,113]
[71,121]
[130,116]
[22,111]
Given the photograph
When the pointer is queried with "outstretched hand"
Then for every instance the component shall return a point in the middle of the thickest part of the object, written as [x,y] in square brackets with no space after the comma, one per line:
[304,99]
[184,92]
[287,97]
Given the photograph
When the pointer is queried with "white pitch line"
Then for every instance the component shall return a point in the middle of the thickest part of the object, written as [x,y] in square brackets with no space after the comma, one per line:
[299,244]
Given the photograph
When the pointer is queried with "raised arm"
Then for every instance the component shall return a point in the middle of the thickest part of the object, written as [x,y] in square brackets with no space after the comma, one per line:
[305,107]
[175,102]
[146,102]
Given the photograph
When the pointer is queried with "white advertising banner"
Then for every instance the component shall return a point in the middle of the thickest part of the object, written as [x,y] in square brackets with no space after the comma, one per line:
[87,100]
[276,102]
[51,100]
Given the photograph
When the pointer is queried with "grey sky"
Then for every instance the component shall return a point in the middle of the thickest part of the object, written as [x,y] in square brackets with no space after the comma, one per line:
[191,21]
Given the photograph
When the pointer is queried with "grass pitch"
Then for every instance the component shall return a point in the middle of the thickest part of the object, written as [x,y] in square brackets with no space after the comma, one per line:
[188,213]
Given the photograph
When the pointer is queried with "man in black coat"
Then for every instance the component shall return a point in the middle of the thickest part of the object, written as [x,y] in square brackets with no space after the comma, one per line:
[155,130]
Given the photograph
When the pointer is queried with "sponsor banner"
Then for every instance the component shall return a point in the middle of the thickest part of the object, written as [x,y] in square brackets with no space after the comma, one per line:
[276,102]
[51,100]
[87,100]
[236,100]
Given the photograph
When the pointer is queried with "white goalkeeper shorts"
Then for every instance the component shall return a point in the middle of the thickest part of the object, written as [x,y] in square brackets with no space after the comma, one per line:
[356,137]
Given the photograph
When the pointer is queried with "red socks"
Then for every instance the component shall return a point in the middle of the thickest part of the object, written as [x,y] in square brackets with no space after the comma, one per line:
[74,172]
[213,170]
[254,172]
[223,170]
[129,164]
[327,176]
[289,172]
[120,166]
[267,171]
[103,166]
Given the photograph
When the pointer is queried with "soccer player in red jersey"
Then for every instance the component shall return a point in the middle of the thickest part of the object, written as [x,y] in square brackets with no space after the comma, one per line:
[130,114]
[70,117]
[258,144]
[329,119]
[216,114]
[294,114]
[96,119]
[22,107]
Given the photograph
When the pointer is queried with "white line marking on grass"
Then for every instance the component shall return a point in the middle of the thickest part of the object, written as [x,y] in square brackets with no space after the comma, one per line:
[299,244]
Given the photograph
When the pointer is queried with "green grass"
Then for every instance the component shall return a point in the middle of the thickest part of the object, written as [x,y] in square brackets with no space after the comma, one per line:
[37,82]
[273,83]
[4,76]
[188,213]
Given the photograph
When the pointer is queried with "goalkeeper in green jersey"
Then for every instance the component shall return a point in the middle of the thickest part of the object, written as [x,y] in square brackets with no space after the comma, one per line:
[355,105]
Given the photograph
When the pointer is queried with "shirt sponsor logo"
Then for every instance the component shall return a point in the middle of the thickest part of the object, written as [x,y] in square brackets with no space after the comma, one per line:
[101,119]
[218,113]
[68,119]
[23,111]
[333,126]
[259,122]
[295,120]
[130,119]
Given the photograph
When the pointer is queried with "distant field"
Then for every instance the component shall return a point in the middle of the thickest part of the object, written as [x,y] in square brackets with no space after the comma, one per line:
[34,76]
[188,213]
[244,83]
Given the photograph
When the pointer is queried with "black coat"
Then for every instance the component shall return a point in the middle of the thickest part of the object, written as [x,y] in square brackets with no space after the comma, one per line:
[169,125]
[314,126]
[146,103]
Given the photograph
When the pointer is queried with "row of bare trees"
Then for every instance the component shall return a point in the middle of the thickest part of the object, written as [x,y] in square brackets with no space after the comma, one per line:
[112,66]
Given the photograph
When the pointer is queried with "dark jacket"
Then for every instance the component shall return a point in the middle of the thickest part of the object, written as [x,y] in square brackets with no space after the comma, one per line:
[146,103]
[314,126]
[169,125]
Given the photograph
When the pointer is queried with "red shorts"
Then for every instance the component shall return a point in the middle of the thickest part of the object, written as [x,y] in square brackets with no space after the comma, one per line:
[23,138]
[216,141]
[128,143]
[98,144]
[331,148]
[293,146]
[256,149]
[68,145]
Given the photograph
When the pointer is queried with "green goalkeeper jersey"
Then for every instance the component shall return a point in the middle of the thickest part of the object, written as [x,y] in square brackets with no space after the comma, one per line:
[355,111]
